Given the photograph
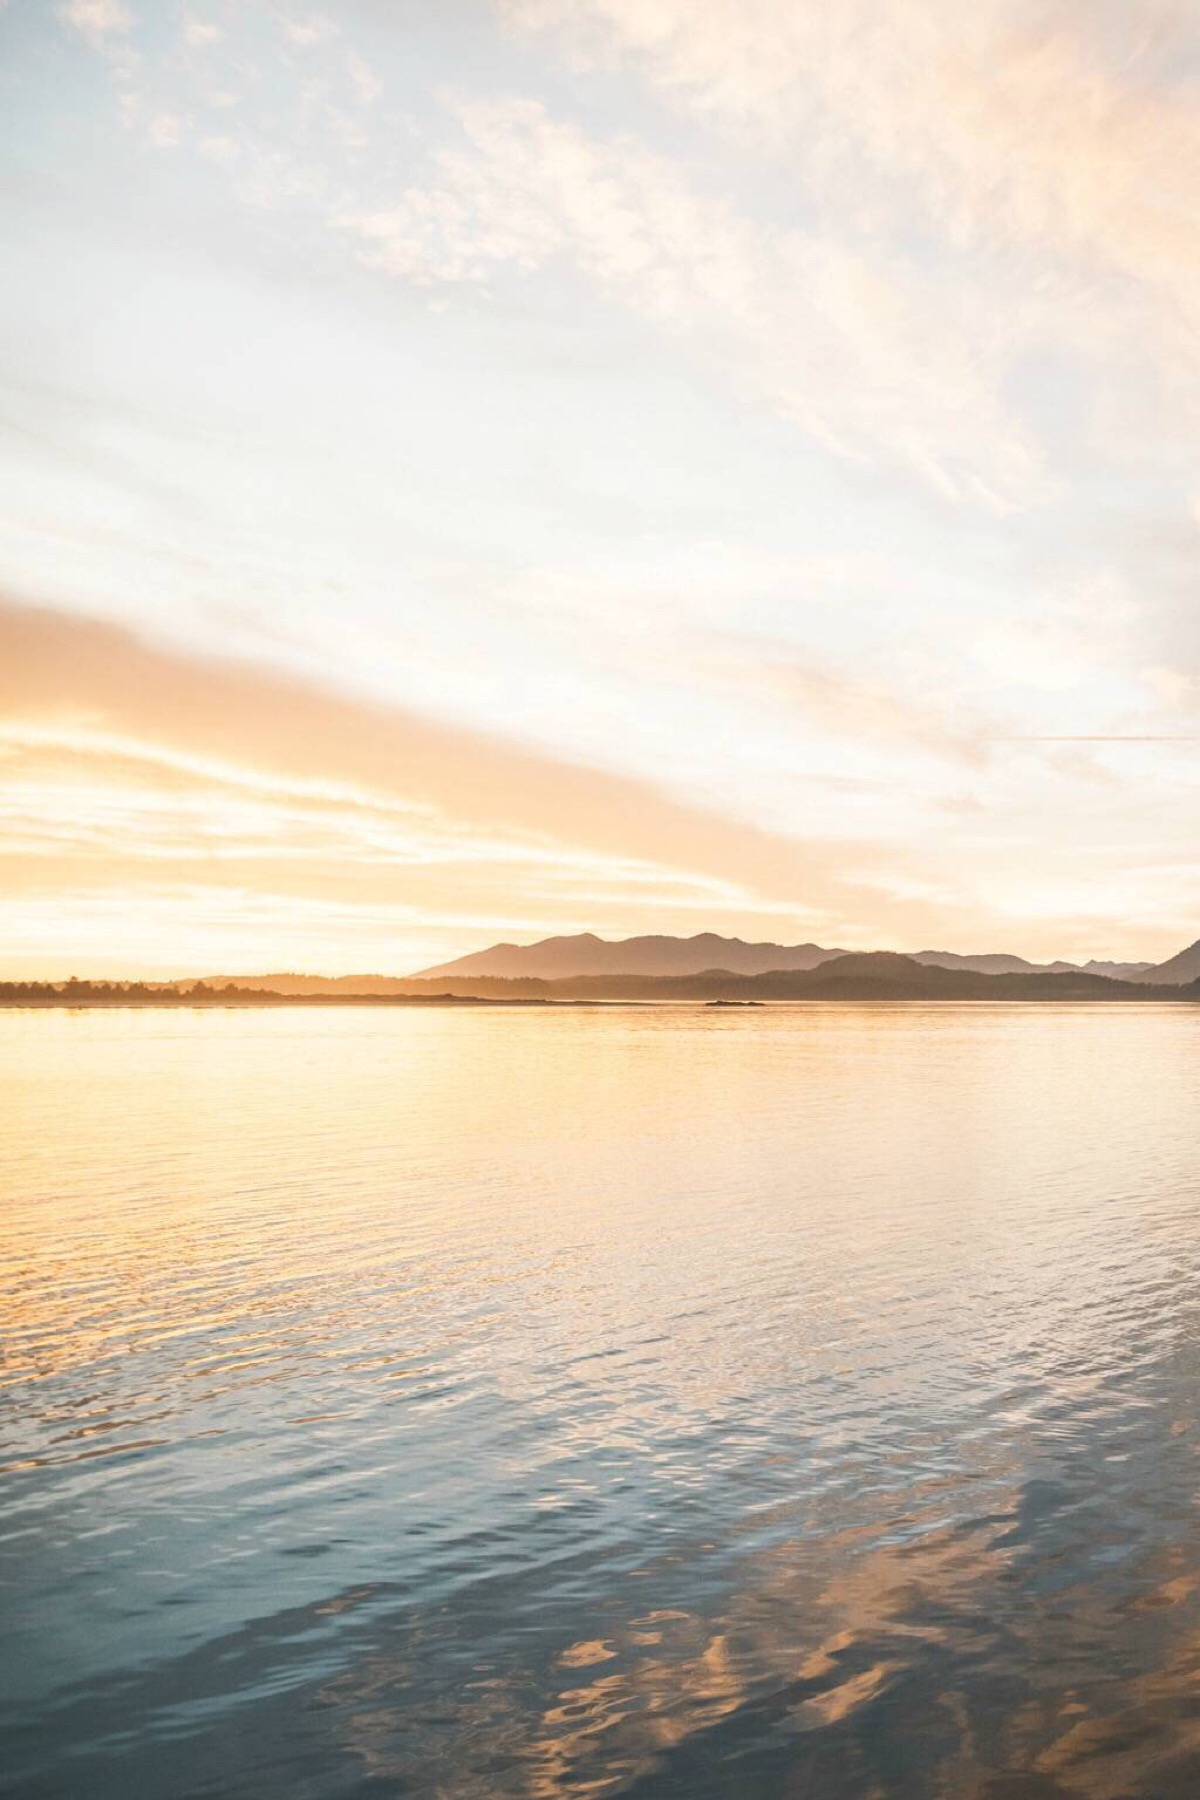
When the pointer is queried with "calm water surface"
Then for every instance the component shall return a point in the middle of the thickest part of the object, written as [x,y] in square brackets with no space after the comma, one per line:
[665,1403]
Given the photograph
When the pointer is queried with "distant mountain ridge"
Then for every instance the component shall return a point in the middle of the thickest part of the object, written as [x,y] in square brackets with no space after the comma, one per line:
[1177,969]
[702,970]
[556,958]
[585,954]
[871,977]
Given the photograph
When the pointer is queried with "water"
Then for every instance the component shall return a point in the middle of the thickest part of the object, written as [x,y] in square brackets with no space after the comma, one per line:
[650,1402]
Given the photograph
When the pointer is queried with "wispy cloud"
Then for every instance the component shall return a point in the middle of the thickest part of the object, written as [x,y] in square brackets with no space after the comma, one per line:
[1106,737]
[308,29]
[68,676]
[1019,118]
[853,709]
[1025,136]
[98,20]
[200,31]
[860,355]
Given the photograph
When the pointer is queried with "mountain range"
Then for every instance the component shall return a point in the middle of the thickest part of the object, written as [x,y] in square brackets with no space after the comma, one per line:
[870,976]
[705,968]
[712,968]
[585,954]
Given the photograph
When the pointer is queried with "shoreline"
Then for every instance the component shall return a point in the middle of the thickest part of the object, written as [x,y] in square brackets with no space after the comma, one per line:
[273,1002]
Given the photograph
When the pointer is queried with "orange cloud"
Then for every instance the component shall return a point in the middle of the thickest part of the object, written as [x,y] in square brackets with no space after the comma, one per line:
[132,765]
[78,673]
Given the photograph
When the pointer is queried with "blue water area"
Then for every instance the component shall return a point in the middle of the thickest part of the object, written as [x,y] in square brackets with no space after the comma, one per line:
[617,1401]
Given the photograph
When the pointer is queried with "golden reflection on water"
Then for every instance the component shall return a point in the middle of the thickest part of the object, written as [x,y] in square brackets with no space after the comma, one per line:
[659,1401]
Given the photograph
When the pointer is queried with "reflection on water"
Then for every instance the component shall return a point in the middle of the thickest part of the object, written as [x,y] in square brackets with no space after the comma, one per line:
[655,1402]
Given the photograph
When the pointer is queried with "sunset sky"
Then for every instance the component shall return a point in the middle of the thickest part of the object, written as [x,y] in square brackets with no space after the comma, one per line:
[476,470]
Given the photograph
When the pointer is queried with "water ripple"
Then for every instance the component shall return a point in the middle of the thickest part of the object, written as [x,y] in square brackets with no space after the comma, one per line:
[644,1402]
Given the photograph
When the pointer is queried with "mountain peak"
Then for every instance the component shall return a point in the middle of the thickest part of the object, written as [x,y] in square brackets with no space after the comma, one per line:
[1176,970]
[555,958]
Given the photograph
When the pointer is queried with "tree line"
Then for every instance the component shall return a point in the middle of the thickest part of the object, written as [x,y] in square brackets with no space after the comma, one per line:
[125,993]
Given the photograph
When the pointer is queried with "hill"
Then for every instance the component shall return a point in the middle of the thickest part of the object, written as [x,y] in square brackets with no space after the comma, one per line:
[1177,969]
[556,958]
[565,958]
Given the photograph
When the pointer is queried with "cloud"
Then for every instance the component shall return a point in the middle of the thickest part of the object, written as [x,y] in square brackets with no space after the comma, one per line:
[316,28]
[861,354]
[67,675]
[199,31]
[853,708]
[98,20]
[922,202]
[367,84]
[954,247]
[908,206]
[1099,738]
[134,771]
[165,131]
[1018,122]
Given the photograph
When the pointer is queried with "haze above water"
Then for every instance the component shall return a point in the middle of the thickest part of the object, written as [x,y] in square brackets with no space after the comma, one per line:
[656,1402]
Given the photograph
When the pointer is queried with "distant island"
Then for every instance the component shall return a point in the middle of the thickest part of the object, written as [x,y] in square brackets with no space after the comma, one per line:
[868,976]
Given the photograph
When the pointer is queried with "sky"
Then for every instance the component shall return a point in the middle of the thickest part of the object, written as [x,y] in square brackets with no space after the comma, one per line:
[477,469]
